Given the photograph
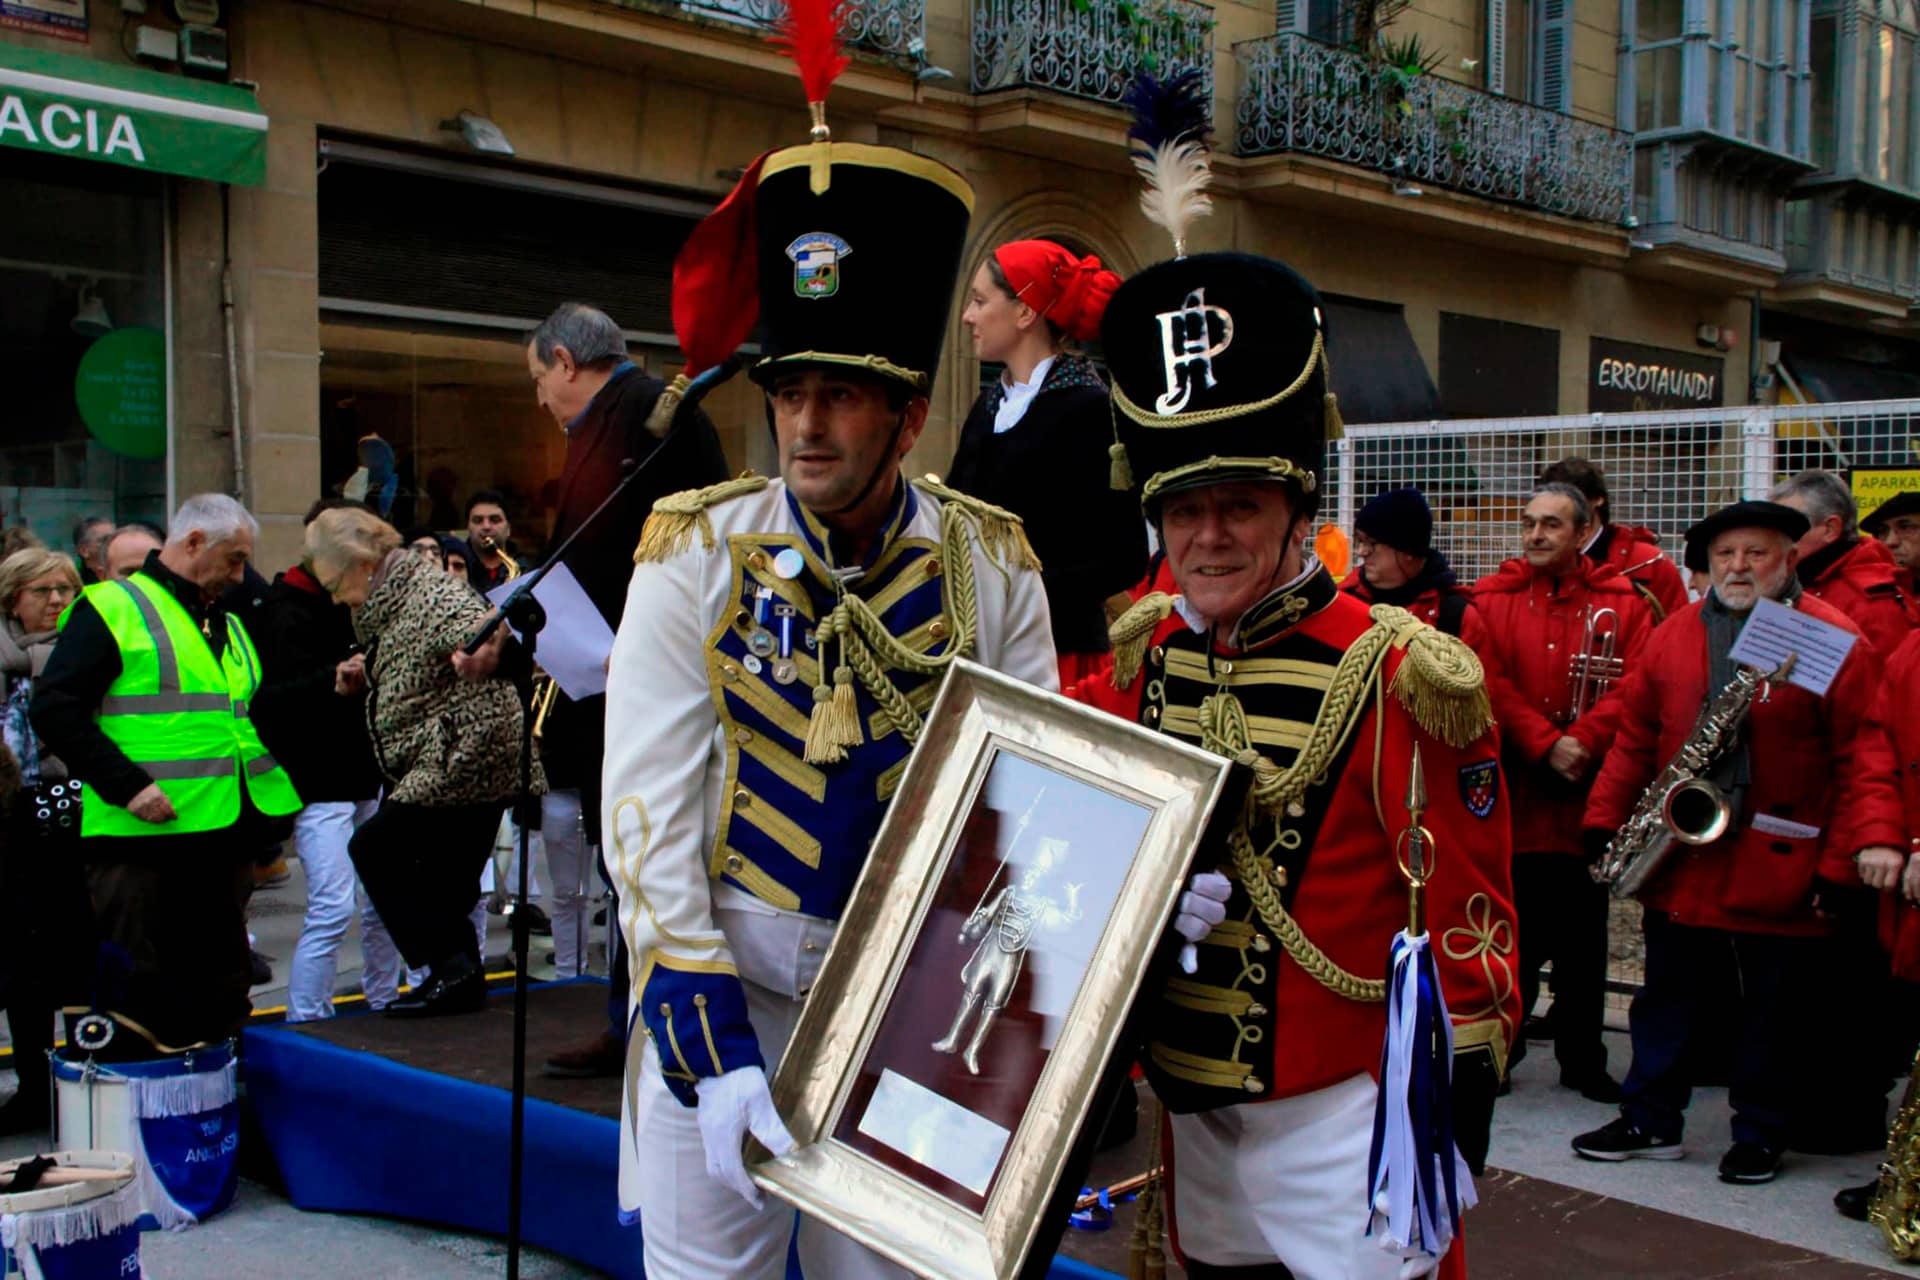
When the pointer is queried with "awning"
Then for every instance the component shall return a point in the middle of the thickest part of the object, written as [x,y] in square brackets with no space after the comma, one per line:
[95,110]
[1377,371]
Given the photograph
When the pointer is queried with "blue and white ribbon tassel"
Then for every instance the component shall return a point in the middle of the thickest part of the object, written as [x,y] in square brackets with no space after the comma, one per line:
[1418,1182]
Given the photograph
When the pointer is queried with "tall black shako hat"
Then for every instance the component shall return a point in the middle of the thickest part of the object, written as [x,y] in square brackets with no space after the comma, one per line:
[1218,360]
[848,254]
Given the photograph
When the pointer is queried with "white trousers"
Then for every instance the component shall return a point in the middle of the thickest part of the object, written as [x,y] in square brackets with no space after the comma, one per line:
[696,1229]
[570,860]
[320,835]
[1282,1180]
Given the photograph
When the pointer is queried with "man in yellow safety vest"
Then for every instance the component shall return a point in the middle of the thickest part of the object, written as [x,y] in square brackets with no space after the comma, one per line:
[146,697]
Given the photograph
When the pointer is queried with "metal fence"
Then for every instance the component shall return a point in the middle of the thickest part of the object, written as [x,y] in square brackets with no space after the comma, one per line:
[892,27]
[1090,50]
[1303,96]
[1665,470]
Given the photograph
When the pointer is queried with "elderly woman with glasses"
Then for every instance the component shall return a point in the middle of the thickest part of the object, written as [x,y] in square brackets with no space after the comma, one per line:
[446,731]
[43,898]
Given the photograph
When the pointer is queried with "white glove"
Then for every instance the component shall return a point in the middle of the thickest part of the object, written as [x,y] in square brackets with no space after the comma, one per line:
[1415,1264]
[731,1106]
[1202,906]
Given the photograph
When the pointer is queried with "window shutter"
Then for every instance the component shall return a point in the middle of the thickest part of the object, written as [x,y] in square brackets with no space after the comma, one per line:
[1496,68]
[1553,67]
[1290,15]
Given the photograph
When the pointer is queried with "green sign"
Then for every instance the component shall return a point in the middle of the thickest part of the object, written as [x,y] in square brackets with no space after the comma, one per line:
[91,109]
[121,390]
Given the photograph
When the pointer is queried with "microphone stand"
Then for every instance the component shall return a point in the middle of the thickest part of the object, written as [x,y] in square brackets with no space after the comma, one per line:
[528,617]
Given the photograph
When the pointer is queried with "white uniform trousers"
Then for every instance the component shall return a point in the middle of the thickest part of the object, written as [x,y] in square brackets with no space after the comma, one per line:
[569,863]
[694,1228]
[1283,1180]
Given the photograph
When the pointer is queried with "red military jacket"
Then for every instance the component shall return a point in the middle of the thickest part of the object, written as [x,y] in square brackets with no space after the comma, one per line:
[1254,1024]
[1426,605]
[1899,709]
[1860,583]
[1636,553]
[1532,626]
[1818,762]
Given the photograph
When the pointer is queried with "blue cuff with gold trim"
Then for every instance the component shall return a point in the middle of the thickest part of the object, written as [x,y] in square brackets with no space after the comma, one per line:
[696,1012]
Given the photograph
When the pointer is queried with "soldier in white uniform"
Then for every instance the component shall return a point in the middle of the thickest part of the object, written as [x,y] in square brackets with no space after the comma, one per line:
[781,641]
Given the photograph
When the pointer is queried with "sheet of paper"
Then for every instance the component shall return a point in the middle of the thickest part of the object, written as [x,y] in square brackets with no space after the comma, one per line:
[576,641]
[1774,631]
[934,1131]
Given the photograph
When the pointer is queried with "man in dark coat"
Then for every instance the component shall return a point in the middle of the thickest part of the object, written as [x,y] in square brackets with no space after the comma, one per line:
[581,375]
[1395,562]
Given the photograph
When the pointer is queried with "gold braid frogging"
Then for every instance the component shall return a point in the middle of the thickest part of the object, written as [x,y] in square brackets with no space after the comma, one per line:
[1223,730]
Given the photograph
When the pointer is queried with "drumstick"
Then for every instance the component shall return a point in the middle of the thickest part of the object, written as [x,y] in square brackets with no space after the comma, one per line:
[1119,1188]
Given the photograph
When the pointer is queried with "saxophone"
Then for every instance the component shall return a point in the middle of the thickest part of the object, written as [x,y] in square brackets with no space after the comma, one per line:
[1896,1201]
[1683,806]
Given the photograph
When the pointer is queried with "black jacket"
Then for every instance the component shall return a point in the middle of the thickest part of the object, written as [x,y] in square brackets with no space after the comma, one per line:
[1051,469]
[319,737]
[65,713]
[611,430]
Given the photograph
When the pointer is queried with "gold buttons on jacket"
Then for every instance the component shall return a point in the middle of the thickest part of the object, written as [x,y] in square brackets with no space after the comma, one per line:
[1153,715]
[742,798]
[937,629]
[1261,944]
[933,566]
[699,1001]
[743,620]
[734,864]
[757,560]
[1256,1010]
[1254,1084]
[743,736]
[1157,655]
[729,672]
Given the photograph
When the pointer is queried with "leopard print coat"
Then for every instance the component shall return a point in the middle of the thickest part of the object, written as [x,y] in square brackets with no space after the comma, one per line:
[440,740]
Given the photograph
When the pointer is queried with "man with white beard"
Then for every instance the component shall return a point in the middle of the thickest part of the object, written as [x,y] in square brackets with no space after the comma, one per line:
[1815,815]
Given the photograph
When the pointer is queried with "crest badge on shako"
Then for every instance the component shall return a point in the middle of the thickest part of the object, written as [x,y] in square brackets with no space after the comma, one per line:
[816,264]
[1480,786]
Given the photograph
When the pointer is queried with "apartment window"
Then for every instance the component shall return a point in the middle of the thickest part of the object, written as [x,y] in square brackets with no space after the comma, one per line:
[1743,88]
[1656,64]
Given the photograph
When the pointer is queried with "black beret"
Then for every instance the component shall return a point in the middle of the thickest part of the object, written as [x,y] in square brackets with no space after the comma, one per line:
[1744,515]
[1900,504]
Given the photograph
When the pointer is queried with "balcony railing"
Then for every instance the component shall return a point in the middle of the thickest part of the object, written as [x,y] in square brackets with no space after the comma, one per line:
[1090,52]
[891,27]
[1298,95]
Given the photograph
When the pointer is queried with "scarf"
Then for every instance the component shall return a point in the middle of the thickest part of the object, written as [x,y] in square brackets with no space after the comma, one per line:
[1732,773]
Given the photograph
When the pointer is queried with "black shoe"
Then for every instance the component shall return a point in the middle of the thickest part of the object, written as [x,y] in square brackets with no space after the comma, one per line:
[1623,1140]
[1840,1139]
[538,923]
[1538,1026]
[1749,1162]
[600,916]
[261,972]
[1596,1086]
[27,1111]
[463,989]
[1852,1202]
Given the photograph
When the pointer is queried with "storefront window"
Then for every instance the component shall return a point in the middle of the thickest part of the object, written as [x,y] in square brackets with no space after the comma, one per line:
[84,351]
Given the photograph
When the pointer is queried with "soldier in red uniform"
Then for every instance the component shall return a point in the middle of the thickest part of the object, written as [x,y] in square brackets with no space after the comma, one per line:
[1810,792]
[1841,568]
[1267,1051]
[1544,615]
[1632,550]
[1395,562]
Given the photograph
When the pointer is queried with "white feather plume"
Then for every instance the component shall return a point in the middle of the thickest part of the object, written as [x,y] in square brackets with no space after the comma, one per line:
[1176,175]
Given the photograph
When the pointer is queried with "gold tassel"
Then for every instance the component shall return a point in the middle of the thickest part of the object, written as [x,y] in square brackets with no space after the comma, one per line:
[1336,426]
[1002,533]
[669,530]
[1132,632]
[1442,685]
[1120,474]
[843,716]
[820,747]
[660,420]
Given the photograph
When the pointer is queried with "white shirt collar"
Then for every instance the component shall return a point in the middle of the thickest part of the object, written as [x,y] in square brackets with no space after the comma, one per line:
[1018,395]
[1197,623]
[1588,545]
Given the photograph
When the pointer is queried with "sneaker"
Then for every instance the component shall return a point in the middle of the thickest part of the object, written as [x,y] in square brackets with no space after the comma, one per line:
[1749,1162]
[1624,1140]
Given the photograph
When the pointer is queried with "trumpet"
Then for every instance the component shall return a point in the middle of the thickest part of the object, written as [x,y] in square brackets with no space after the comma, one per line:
[546,690]
[500,549]
[1596,664]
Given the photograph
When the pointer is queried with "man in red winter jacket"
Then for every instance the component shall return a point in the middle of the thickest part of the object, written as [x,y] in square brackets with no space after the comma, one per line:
[1395,562]
[1545,615]
[1634,551]
[1809,783]
[1895,524]
[1841,568]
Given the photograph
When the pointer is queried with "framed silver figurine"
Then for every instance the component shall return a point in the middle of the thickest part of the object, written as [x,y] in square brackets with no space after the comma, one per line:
[983,972]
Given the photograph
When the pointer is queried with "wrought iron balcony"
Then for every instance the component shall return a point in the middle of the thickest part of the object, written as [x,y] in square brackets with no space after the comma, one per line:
[1091,52]
[1298,95]
[892,27]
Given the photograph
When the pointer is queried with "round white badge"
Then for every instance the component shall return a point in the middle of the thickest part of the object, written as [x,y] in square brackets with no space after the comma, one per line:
[789,563]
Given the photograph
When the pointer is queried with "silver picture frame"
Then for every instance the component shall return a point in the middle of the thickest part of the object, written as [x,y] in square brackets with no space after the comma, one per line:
[1057,838]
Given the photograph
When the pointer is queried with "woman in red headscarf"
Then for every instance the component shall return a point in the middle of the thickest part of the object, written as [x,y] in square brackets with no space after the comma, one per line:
[1036,440]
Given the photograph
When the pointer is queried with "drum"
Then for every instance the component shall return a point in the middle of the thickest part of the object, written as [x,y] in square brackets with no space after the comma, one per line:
[179,1118]
[79,1223]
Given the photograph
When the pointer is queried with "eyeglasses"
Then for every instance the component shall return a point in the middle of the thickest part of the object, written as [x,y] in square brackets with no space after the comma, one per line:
[43,593]
[1362,547]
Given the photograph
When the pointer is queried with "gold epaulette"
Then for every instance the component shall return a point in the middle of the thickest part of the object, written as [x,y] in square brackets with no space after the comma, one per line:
[670,528]
[1002,533]
[1132,631]
[1440,682]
